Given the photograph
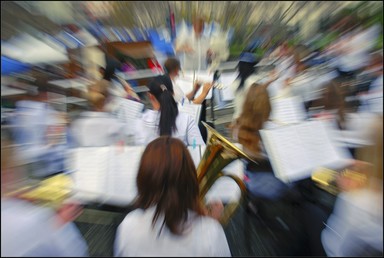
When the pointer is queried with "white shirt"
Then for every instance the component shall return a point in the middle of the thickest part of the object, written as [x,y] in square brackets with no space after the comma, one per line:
[357,221]
[136,237]
[145,129]
[178,93]
[29,230]
[197,60]
[97,129]
[240,95]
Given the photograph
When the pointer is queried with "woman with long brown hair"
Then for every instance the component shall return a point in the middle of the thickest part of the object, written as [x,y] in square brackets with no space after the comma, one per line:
[255,112]
[170,219]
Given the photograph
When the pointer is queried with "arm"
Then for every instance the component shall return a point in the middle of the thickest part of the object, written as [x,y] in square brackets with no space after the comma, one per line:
[128,89]
[190,96]
[206,88]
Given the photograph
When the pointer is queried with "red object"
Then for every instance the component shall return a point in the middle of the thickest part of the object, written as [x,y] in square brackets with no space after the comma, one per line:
[154,65]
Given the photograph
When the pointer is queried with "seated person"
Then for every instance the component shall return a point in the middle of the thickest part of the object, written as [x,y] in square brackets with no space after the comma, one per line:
[170,219]
[30,230]
[255,112]
[355,226]
[164,118]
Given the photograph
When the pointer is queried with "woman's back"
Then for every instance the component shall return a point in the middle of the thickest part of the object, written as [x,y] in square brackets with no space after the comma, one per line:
[136,237]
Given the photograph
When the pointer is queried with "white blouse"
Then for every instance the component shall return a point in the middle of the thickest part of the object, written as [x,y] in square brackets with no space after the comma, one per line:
[135,236]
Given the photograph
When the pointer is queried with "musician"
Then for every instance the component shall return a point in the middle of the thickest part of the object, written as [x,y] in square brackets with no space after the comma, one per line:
[170,219]
[194,47]
[31,230]
[164,118]
[255,112]
[355,226]
[172,68]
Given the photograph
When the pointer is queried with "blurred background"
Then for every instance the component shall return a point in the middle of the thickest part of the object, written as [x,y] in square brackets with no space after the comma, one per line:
[52,51]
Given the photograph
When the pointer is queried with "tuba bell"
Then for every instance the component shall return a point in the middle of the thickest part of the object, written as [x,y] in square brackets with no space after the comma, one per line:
[218,154]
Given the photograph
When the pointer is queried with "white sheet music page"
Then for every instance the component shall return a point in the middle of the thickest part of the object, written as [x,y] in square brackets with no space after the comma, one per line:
[125,163]
[133,108]
[296,150]
[186,85]
[227,79]
[129,110]
[192,109]
[288,110]
[91,166]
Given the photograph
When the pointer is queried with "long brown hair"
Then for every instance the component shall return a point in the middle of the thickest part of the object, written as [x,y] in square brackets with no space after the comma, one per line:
[167,178]
[256,111]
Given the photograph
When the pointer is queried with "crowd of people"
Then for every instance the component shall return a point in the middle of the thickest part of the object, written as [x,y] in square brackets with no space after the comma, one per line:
[169,218]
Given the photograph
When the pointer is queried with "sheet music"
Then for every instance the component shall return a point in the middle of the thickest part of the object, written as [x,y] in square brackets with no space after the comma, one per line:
[123,172]
[186,85]
[108,174]
[129,110]
[192,109]
[296,150]
[227,79]
[91,167]
[288,110]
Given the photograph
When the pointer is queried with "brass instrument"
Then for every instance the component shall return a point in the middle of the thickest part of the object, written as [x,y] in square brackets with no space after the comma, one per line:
[218,154]
[326,179]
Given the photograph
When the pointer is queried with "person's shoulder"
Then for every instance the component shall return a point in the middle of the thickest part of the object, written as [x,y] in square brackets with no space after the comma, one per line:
[135,218]
[208,223]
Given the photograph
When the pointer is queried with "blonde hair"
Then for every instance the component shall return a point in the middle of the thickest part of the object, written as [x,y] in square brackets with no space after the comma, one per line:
[256,111]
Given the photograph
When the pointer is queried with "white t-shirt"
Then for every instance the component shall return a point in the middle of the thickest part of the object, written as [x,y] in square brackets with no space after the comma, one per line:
[197,60]
[29,230]
[355,224]
[178,93]
[145,129]
[136,237]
